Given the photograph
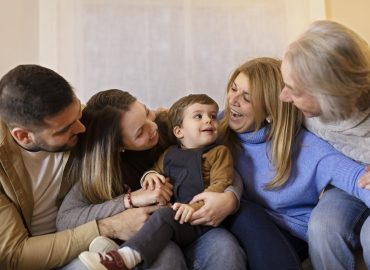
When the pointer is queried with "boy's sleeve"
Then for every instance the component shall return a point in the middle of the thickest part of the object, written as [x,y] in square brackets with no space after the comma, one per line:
[221,171]
[222,168]
[158,167]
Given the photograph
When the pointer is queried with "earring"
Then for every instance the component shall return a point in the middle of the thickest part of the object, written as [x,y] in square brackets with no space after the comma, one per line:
[268,119]
[122,149]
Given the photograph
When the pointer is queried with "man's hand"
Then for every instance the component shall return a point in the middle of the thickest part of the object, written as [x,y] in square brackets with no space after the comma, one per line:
[184,212]
[217,206]
[125,224]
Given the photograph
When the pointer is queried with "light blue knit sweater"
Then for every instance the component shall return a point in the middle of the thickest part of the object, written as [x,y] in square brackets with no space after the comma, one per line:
[315,164]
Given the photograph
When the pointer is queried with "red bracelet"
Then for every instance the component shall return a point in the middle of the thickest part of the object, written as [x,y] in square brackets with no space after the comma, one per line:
[129,198]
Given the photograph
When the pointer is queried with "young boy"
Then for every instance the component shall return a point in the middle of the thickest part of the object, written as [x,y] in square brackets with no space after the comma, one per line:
[195,165]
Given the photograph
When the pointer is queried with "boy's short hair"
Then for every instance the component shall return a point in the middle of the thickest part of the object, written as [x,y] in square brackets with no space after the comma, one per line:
[31,93]
[176,112]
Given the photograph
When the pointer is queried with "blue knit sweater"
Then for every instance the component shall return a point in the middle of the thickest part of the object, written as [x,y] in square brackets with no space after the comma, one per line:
[315,163]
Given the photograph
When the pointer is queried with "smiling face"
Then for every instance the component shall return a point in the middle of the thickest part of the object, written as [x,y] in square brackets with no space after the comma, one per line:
[139,131]
[291,93]
[199,126]
[242,116]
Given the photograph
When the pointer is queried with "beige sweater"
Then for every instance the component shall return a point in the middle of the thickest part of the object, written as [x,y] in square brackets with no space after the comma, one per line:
[350,136]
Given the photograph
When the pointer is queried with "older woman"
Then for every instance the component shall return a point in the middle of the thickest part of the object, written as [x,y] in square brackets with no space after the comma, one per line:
[284,167]
[327,76]
[123,139]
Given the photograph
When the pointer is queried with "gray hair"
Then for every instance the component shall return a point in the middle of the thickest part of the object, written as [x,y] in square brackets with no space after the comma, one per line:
[332,63]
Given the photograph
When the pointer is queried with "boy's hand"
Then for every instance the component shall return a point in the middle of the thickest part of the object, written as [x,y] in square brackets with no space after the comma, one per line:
[154,180]
[160,195]
[184,212]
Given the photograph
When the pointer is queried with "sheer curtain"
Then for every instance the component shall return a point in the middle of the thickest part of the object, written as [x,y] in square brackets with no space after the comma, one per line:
[160,50]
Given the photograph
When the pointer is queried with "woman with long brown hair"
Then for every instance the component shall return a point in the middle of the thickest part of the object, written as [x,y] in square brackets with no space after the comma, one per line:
[123,139]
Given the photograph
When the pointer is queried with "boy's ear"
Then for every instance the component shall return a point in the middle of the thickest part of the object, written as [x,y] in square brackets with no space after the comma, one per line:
[22,135]
[177,131]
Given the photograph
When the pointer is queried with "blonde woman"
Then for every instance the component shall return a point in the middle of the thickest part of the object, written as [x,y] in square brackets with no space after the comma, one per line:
[327,76]
[283,166]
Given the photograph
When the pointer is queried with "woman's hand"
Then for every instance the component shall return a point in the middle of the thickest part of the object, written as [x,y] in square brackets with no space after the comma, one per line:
[217,206]
[364,181]
[161,195]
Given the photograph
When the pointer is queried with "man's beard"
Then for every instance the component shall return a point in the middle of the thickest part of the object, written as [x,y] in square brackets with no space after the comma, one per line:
[41,145]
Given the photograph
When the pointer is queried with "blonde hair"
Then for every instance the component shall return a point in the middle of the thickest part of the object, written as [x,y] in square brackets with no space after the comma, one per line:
[265,86]
[332,63]
[96,160]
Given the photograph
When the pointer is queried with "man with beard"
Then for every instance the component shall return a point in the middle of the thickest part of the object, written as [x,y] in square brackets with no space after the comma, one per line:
[39,123]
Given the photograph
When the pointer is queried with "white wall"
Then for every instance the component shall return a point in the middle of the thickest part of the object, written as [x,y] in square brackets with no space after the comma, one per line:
[354,14]
[159,50]
[18,33]
[163,49]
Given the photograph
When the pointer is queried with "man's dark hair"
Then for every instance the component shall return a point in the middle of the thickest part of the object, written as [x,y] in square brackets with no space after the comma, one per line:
[31,93]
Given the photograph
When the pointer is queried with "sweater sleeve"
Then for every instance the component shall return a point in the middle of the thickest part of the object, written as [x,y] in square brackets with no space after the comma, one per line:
[76,210]
[222,168]
[343,172]
[236,188]
[159,164]
[158,167]
[221,171]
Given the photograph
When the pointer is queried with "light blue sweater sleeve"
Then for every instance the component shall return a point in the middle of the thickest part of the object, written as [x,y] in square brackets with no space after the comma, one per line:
[339,170]
[315,164]
[343,173]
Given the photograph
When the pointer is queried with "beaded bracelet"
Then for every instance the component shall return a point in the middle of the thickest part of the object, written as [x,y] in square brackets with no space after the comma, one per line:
[129,197]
